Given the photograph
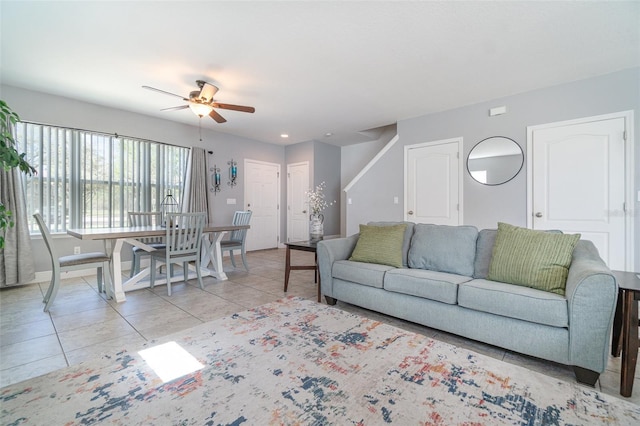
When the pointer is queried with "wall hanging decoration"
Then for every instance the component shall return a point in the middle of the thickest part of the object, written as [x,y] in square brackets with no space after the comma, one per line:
[215,179]
[168,205]
[233,173]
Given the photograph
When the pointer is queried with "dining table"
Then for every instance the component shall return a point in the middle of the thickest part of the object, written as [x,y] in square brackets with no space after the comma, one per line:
[115,238]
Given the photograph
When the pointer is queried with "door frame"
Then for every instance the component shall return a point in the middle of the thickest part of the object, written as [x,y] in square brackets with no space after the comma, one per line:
[461,168]
[279,242]
[628,178]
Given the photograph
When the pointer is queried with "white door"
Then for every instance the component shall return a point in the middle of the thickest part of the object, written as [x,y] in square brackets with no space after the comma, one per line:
[262,195]
[433,183]
[578,183]
[297,202]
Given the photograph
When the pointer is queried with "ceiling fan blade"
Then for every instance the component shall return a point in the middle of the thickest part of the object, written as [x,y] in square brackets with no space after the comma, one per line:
[214,114]
[175,108]
[234,107]
[164,91]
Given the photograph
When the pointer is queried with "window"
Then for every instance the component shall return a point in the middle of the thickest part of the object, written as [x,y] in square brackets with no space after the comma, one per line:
[91,180]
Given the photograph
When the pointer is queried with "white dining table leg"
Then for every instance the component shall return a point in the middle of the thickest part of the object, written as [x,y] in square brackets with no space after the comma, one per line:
[115,251]
[212,253]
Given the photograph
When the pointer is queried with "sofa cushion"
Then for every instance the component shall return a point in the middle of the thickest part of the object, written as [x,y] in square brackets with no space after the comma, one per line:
[513,301]
[380,244]
[444,248]
[406,242]
[531,258]
[370,274]
[439,286]
[484,249]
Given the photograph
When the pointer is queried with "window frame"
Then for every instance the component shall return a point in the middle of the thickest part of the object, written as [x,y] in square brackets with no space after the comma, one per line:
[123,173]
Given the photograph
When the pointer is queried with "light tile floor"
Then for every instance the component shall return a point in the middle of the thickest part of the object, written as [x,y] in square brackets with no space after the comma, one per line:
[83,325]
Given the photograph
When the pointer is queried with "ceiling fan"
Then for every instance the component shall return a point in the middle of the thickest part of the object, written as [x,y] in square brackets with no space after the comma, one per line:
[201,102]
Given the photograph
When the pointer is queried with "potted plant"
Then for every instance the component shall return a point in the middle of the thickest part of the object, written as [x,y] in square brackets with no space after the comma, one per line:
[10,158]
[317,204]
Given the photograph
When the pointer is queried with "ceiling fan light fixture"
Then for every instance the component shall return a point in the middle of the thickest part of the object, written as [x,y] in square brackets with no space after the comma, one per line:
[201,102]
[200,109]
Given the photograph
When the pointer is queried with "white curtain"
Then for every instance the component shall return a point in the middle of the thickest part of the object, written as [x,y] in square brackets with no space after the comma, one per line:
[196,192]
[16,259]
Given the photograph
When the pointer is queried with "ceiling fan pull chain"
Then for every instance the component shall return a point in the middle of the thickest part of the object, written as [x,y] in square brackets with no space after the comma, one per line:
[200,127]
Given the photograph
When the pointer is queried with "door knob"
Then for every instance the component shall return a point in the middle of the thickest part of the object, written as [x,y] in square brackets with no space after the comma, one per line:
[539,214]
[410,212]
[304,211]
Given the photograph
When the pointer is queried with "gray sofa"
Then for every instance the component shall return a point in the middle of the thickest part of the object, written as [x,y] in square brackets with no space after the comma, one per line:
[573,329]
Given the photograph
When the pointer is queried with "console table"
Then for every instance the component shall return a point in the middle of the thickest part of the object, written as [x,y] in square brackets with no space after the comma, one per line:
[625,328]
[310,246]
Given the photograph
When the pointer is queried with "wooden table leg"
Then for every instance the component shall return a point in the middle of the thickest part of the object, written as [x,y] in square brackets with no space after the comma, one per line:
[317,274]
[287,269]
[629,343]
[315,262]
[616,334]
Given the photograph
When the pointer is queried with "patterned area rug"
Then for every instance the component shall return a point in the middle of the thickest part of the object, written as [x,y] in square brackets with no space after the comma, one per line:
[295,362]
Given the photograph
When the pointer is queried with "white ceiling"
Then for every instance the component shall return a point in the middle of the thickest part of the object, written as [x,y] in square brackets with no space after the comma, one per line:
[309,67]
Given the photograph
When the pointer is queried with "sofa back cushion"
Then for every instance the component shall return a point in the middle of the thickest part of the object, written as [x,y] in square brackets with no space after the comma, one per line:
[444,248]
[536,259]
[380,244]
[406,242]
[484,249]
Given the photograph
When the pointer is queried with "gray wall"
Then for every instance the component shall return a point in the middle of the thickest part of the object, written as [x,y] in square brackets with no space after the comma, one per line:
[354,158]
[485,205]
[324,166]
[55,110]
[373,195]
[327,169]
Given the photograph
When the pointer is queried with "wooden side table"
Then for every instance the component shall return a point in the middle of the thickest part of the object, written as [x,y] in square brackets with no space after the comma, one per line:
[625,328]
[310,246]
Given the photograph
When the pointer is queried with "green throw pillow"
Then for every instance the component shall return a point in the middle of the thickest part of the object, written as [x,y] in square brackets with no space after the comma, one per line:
[380,244]
[531,258]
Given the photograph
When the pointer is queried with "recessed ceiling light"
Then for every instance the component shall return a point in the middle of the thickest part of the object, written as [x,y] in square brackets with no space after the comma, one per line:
[284,135]
[328,134]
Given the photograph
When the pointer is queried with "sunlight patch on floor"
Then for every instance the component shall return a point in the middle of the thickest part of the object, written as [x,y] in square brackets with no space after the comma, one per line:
[170,361]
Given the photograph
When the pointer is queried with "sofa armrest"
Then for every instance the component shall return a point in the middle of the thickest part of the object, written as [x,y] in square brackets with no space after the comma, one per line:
[329,251]
[591,294]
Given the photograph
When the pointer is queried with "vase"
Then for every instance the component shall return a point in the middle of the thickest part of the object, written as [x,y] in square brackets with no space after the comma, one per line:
[316,227]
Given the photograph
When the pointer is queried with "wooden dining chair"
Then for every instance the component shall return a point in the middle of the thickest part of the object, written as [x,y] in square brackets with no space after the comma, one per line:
[183,243]
[237,238]
[144,219]
[71,262]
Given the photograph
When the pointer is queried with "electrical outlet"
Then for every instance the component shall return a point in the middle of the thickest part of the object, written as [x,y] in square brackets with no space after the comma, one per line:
[76,250]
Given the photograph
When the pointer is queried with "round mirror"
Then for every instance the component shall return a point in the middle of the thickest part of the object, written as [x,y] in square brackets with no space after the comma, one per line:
[495,160]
